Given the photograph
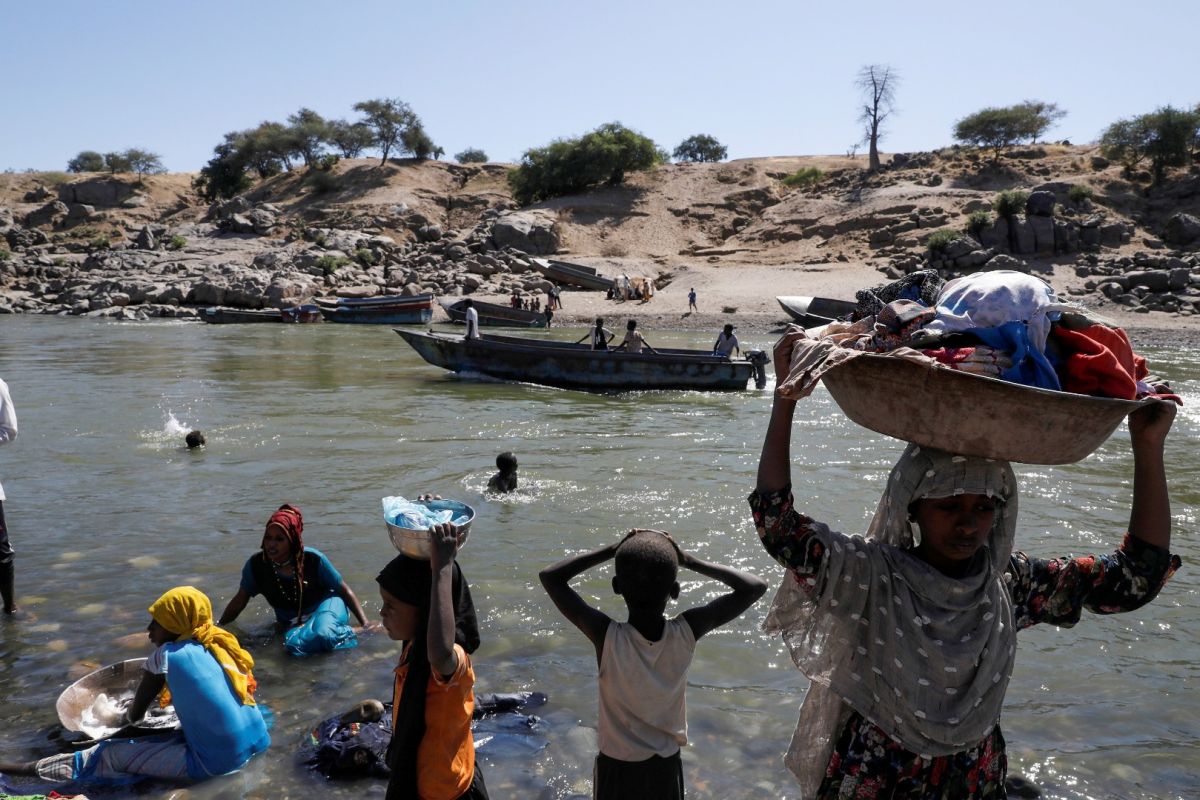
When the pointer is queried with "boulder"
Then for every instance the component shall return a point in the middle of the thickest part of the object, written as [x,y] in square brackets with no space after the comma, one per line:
[429,233]
[38,195]
[145,239]
[47,214]
[96,192]
[262,221]
[1023,237]
[6,219]
[534,232]
[1040,204]
[1181,229]
[1043,233]
[411,290]
[1156,280]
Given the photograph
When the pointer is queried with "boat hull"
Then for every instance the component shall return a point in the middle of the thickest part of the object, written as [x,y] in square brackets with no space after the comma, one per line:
[240,316]
[494,315]
[378,315]
[569,366]
[814,311]
[573,275]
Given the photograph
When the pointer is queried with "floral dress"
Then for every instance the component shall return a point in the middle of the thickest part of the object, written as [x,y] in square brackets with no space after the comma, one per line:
[866,761]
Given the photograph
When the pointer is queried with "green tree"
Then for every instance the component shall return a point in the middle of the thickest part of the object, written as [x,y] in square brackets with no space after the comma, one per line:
[416,141]
[143,162]
[472,155]
[308,132]
[569,166]
[388,119]
[116,162]
[350,138]
[86,161]
[877,85]
[1165,137]
[225,174]
[700,147]
[997,128]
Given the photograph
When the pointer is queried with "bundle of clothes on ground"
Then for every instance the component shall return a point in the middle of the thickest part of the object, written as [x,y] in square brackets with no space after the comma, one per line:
[1001,324]
[354,745]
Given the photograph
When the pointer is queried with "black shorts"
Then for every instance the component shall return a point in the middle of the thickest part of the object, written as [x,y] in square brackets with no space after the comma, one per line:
[656,778]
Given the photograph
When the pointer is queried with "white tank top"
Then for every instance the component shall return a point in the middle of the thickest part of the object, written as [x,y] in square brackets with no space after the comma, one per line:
[642,683]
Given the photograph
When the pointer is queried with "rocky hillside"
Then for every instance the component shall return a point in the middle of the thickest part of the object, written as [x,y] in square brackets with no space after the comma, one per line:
[114,246]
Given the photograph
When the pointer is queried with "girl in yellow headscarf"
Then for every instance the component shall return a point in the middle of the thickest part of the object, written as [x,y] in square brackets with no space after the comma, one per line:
[209,680]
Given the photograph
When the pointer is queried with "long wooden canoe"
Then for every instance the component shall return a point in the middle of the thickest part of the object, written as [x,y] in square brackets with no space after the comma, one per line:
[813,311]
[573,274]
[576,366]
[220,315]
[495,315]
[415,310]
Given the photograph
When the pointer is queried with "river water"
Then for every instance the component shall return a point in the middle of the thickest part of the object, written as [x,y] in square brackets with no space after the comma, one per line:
[107,510]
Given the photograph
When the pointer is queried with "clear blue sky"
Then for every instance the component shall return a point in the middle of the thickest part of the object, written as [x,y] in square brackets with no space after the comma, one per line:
[766,78]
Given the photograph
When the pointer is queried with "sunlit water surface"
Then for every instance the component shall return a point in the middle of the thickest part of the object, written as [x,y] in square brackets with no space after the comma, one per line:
[107,510]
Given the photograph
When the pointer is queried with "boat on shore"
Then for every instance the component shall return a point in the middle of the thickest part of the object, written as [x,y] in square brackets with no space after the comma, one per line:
[573,274]
[495,315]
[811,312]
[387,310]
[576,366]
[220,315]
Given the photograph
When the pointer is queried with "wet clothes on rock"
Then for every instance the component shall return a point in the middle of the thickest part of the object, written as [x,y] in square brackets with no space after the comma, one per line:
[864,759]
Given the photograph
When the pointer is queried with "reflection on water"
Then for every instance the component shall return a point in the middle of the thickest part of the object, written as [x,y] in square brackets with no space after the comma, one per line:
[108,509]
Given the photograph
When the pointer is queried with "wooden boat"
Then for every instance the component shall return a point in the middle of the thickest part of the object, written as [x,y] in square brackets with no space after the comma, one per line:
[576,366]
[302,314]
[813,311]
[495,315]
[573,274]
[219,315]
[393,310]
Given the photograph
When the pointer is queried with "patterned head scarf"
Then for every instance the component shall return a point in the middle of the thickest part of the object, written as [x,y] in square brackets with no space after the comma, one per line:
[289,519]
[187,612]
[924,656]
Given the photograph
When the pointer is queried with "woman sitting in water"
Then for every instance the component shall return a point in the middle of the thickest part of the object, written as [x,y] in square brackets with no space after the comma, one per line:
[908,635]
[208,677]
[307,593]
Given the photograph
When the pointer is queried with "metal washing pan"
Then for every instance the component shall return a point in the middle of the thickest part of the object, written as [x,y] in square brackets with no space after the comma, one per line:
[973,415]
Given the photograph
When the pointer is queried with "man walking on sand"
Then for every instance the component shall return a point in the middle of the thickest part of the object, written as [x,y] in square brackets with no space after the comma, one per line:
[692,300]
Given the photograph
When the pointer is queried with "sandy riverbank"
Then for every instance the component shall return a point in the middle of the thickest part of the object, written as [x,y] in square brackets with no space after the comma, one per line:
[744,294]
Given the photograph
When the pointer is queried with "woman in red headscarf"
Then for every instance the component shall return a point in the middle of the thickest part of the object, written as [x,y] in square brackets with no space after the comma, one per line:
[310,599]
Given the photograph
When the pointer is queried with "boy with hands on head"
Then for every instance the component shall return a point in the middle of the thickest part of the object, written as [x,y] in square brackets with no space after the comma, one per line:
[643,662]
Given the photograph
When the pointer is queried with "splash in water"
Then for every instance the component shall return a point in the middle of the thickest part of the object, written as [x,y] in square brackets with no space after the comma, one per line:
[174,427]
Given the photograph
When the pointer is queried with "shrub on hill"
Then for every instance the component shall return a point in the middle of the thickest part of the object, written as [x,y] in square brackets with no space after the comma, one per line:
[977,221]
[1080,194]
[939,240]
[86,161]
[803,178]
[997,128]
[350,138]
[1010,202]
[1166,137]
[472,155]
[701,147]
[570,166]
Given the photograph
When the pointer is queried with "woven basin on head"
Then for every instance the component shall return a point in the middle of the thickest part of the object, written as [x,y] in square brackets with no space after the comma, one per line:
[973,415]
[415,543]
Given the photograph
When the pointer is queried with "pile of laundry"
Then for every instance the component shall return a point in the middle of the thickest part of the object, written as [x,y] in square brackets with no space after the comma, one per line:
[1000,324]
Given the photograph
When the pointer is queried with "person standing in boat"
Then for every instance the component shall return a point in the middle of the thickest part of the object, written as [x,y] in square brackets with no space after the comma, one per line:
[726,343]
[472,320]
[634,341]
[600,336]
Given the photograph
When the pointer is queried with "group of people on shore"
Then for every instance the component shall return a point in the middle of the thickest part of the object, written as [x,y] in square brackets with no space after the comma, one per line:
[907,633]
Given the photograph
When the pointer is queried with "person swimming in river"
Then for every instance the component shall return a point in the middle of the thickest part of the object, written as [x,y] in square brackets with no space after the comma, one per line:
[311,600]
[643,662]
[908,635]
[195,439]
[600,336]
[506,479]
[211,685]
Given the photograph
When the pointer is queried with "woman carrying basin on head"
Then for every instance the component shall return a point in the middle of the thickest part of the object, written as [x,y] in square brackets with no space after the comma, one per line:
[908,635]
[309,596]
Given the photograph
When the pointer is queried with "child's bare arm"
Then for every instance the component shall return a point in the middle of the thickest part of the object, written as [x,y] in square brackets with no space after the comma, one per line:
[1150,515]
[747,588]
[439,641]
[556,580]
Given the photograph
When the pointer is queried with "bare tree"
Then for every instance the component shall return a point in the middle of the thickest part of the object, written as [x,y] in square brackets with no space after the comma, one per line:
[877,83]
